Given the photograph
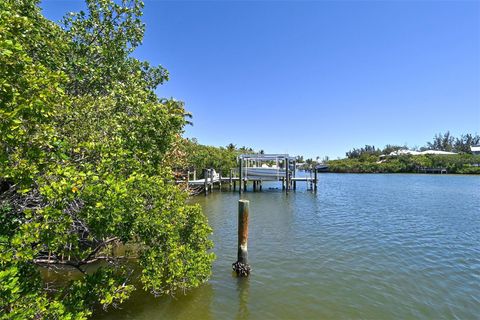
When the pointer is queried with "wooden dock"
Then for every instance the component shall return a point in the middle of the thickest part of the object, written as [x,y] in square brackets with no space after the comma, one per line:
[250,170]
[437,170]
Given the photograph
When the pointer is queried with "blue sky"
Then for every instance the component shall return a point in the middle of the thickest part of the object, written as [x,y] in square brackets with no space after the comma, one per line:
[316,78]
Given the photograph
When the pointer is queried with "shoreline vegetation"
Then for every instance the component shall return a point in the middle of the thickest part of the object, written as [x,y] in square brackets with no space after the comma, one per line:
[457,157]
[368,159]
[453,164]
[86,156]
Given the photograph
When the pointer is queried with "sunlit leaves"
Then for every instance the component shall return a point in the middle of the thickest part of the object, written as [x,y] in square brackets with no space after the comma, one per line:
[86,149]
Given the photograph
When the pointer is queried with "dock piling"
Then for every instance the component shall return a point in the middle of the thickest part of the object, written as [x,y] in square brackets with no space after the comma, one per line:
[241,267]
[287,175]
[205,183]
[211,180]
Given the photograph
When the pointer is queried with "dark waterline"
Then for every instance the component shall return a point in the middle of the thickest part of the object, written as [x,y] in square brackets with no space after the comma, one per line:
[364,246]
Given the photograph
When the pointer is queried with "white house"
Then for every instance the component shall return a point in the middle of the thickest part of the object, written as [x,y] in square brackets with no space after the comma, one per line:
[475,149]
[416,153]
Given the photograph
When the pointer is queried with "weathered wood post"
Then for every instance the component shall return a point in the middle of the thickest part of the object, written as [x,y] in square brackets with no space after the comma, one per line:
[220,180]
[211,180]
[287,175]
[315,180]
[254,185]
[230,180]
[294,174]
[241,267]
[205,182]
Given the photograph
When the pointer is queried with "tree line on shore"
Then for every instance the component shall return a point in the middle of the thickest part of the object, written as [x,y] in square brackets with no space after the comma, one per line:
[458,163]
[367,159]
[222,159]
[441,142]
[358,160]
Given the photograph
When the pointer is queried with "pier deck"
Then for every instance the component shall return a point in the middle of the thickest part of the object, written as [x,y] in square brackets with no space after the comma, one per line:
[254,168]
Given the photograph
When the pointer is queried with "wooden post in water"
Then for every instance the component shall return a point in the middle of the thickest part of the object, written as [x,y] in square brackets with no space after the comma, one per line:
[205,182]
[287,173]
[294,174]
[220,180]
[230,180]
[241,267]
[315,180]
[211,180]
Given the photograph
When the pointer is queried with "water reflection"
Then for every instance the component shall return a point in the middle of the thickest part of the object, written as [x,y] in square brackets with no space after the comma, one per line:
[195,304]
[243,286]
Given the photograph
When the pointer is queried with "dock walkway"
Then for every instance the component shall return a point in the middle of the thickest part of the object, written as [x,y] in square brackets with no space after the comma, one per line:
[254,168]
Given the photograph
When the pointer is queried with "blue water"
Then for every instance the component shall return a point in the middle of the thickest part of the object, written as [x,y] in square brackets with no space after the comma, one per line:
[363,246]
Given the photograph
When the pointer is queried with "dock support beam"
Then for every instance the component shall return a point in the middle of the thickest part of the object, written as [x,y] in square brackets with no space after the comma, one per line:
[205,182]
[315,180]
[241,267]
[210,174]
[287,175]
[240,175]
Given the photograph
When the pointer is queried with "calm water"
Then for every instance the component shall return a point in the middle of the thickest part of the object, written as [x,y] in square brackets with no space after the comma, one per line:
[364,246]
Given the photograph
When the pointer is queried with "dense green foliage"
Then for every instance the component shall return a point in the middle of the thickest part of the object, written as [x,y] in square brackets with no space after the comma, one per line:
[442,142]
[460,163]
[222,159]
[447,142]
[367,159]
[86,150]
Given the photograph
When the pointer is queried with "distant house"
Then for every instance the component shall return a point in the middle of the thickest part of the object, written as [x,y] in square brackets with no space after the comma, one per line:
[475,149]
[417,153]
[437,152]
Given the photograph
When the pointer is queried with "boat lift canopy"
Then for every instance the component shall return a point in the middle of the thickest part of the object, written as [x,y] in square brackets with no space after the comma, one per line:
[253,168]
[264,157]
